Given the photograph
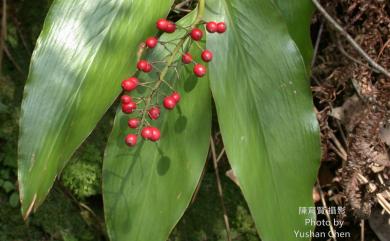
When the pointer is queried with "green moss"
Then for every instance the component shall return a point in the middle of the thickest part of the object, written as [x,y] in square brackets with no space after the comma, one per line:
[83,175]
[59,216]
[57,219]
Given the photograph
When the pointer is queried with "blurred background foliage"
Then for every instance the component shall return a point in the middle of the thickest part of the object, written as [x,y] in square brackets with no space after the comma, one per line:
[73,210]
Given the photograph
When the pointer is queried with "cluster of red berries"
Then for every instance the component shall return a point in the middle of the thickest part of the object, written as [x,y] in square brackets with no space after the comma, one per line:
[196,34]
[169,102]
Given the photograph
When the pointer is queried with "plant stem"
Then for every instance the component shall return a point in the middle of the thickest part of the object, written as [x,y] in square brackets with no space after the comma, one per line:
[201,8]
[219,186]
[171,59]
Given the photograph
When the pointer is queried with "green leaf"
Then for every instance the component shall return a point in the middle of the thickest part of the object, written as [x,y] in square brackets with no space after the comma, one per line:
[147,188]
[14,199]
[8,186]
[3,108]
[265,112]
[298,15]
[84,51]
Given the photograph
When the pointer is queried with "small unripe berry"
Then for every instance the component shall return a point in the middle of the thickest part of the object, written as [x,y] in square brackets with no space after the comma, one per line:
[221,27]
[196,34]
[125,99]
[171,27]
[211,27]
[169,102]
[146,132]
[129,84]
[133,123]
[131,140]
[176,96]
[129,108]
[186,58]
[207,55]
[154,113]
[151,42]
[162,24]
[199,70]
[155,134]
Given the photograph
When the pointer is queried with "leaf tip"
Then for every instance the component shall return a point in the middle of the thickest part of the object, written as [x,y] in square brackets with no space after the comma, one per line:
[30,208]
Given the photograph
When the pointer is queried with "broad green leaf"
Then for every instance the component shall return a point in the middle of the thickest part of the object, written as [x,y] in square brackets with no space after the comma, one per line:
[265,113]
[85,49]
[298,15]
[147,188]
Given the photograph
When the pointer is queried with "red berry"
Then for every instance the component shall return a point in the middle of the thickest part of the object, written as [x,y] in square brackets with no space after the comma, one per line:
[176,96]
[151,42]
[199,70]
[146,132]
[169,102]
[131,140]
[186,58]
[133,105]
[154,113]
[129,108]
[129,84]
[162,24]
[155,134]
[171,27]
[196,34]
[211,27]
[221,27]
[134,79]
[148,68]
[125,99]
[144,65]
[141,65]
[207,55]
[133,123]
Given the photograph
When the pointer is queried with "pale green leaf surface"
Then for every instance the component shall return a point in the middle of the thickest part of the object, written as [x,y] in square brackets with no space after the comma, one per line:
[298,15]
[147,188]
[84,51]
[265,112]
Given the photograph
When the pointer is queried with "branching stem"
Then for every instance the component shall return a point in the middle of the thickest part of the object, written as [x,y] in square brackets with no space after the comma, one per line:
[170,60]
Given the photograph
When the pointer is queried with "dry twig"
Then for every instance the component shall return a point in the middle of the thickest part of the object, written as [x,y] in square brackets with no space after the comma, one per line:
[317,44]
[180,6]
[332,230]
[350,39]
[220,192]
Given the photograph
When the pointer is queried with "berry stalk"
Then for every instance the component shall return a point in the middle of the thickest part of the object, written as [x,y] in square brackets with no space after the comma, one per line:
[150,101]
[160,81]
[174,53]
[200,13]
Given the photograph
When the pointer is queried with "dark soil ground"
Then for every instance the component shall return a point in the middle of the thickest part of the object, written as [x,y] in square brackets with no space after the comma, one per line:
[352,101]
